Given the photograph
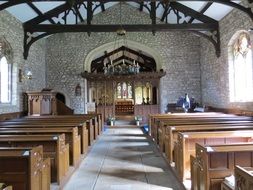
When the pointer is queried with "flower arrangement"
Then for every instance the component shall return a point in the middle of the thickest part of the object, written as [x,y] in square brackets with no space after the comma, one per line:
[111,120]
[137,119]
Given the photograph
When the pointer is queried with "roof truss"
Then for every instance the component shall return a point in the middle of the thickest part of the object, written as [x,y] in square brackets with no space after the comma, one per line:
[142,59]
[61,12]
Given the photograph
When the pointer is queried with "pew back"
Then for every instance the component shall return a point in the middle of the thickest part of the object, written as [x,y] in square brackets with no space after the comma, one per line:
[185,146]
[24,168]
[215,162]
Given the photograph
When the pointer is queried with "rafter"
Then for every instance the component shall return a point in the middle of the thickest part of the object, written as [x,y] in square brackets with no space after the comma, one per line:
[141,6]
[39,12]
[202,11]
[102,4]
[149,62]
[166,9]
[153,15]
[89,12]
[208,24]
[79,14]
[230,3]
[190,12]
[50,14]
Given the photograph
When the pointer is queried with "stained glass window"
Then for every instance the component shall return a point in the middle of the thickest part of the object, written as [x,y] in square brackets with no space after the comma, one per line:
[124,90]
[129,89]
[241,78]
[119,90]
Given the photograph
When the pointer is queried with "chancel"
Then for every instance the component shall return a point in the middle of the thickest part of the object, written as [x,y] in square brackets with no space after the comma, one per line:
[147,94]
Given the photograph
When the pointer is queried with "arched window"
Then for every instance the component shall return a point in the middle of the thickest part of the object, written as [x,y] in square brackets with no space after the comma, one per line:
[124,90]
[5,71]
[241,77]
[5,81]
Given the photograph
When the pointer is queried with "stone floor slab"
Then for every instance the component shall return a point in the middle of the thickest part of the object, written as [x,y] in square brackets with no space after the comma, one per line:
[124,159]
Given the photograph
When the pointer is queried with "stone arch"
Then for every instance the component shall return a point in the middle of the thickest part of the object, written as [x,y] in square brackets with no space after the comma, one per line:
[131,44]
[61,97]
[67,98]
[5,49]
[230,58]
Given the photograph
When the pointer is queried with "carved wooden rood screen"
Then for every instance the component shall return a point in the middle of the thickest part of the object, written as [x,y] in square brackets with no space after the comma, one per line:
[56,19]
[124,81]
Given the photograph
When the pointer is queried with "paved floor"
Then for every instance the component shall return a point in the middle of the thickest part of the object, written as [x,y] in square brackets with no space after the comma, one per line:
[123,159]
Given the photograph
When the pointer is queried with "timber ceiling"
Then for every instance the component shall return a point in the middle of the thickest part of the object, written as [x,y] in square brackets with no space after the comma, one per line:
[41,18]
[147,63]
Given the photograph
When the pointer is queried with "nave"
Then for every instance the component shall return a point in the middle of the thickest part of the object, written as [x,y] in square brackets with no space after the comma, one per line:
[124,159]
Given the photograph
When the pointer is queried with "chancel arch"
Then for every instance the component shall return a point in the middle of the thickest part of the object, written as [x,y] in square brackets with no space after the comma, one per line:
[123,80]
[99,51]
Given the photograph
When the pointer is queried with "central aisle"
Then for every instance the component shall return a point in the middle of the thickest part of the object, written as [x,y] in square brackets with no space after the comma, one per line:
[123,159]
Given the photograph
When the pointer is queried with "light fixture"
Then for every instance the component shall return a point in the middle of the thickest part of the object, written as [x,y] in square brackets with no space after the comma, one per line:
[117,66]
[27,74]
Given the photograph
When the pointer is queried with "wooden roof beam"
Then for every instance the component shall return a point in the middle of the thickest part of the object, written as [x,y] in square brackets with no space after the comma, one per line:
[79,14]
[166,9]
[141,6]
[39,12]
[202,11]
[190,12]
[112,28]
[102,6]
[54,12]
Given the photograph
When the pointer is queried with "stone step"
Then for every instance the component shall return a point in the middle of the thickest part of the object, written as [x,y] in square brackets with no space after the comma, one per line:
[124,117]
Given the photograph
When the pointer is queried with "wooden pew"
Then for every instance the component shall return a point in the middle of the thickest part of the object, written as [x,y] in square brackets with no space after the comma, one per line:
[243,179]
[96,116]
[53,147]
[185,118]
[160,129]
[71,137]
[3,186]
[172,133]
[215,162]
[25,168]
[185,145]
[197,121]
[82,129]
[95,119]
[157,118]
[80,123]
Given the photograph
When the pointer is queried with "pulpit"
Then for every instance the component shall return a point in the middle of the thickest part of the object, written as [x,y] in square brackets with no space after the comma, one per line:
[42,103]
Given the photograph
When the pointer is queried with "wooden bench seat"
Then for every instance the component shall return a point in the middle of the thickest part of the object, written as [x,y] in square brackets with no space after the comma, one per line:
[25,168]
[54,147]
[161,130]
[93,119]
[154,120]
[243,178]
[96,116]
[215,162]
[171,135]
[71,137]
[89,123]
[185,145]
[82,129]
